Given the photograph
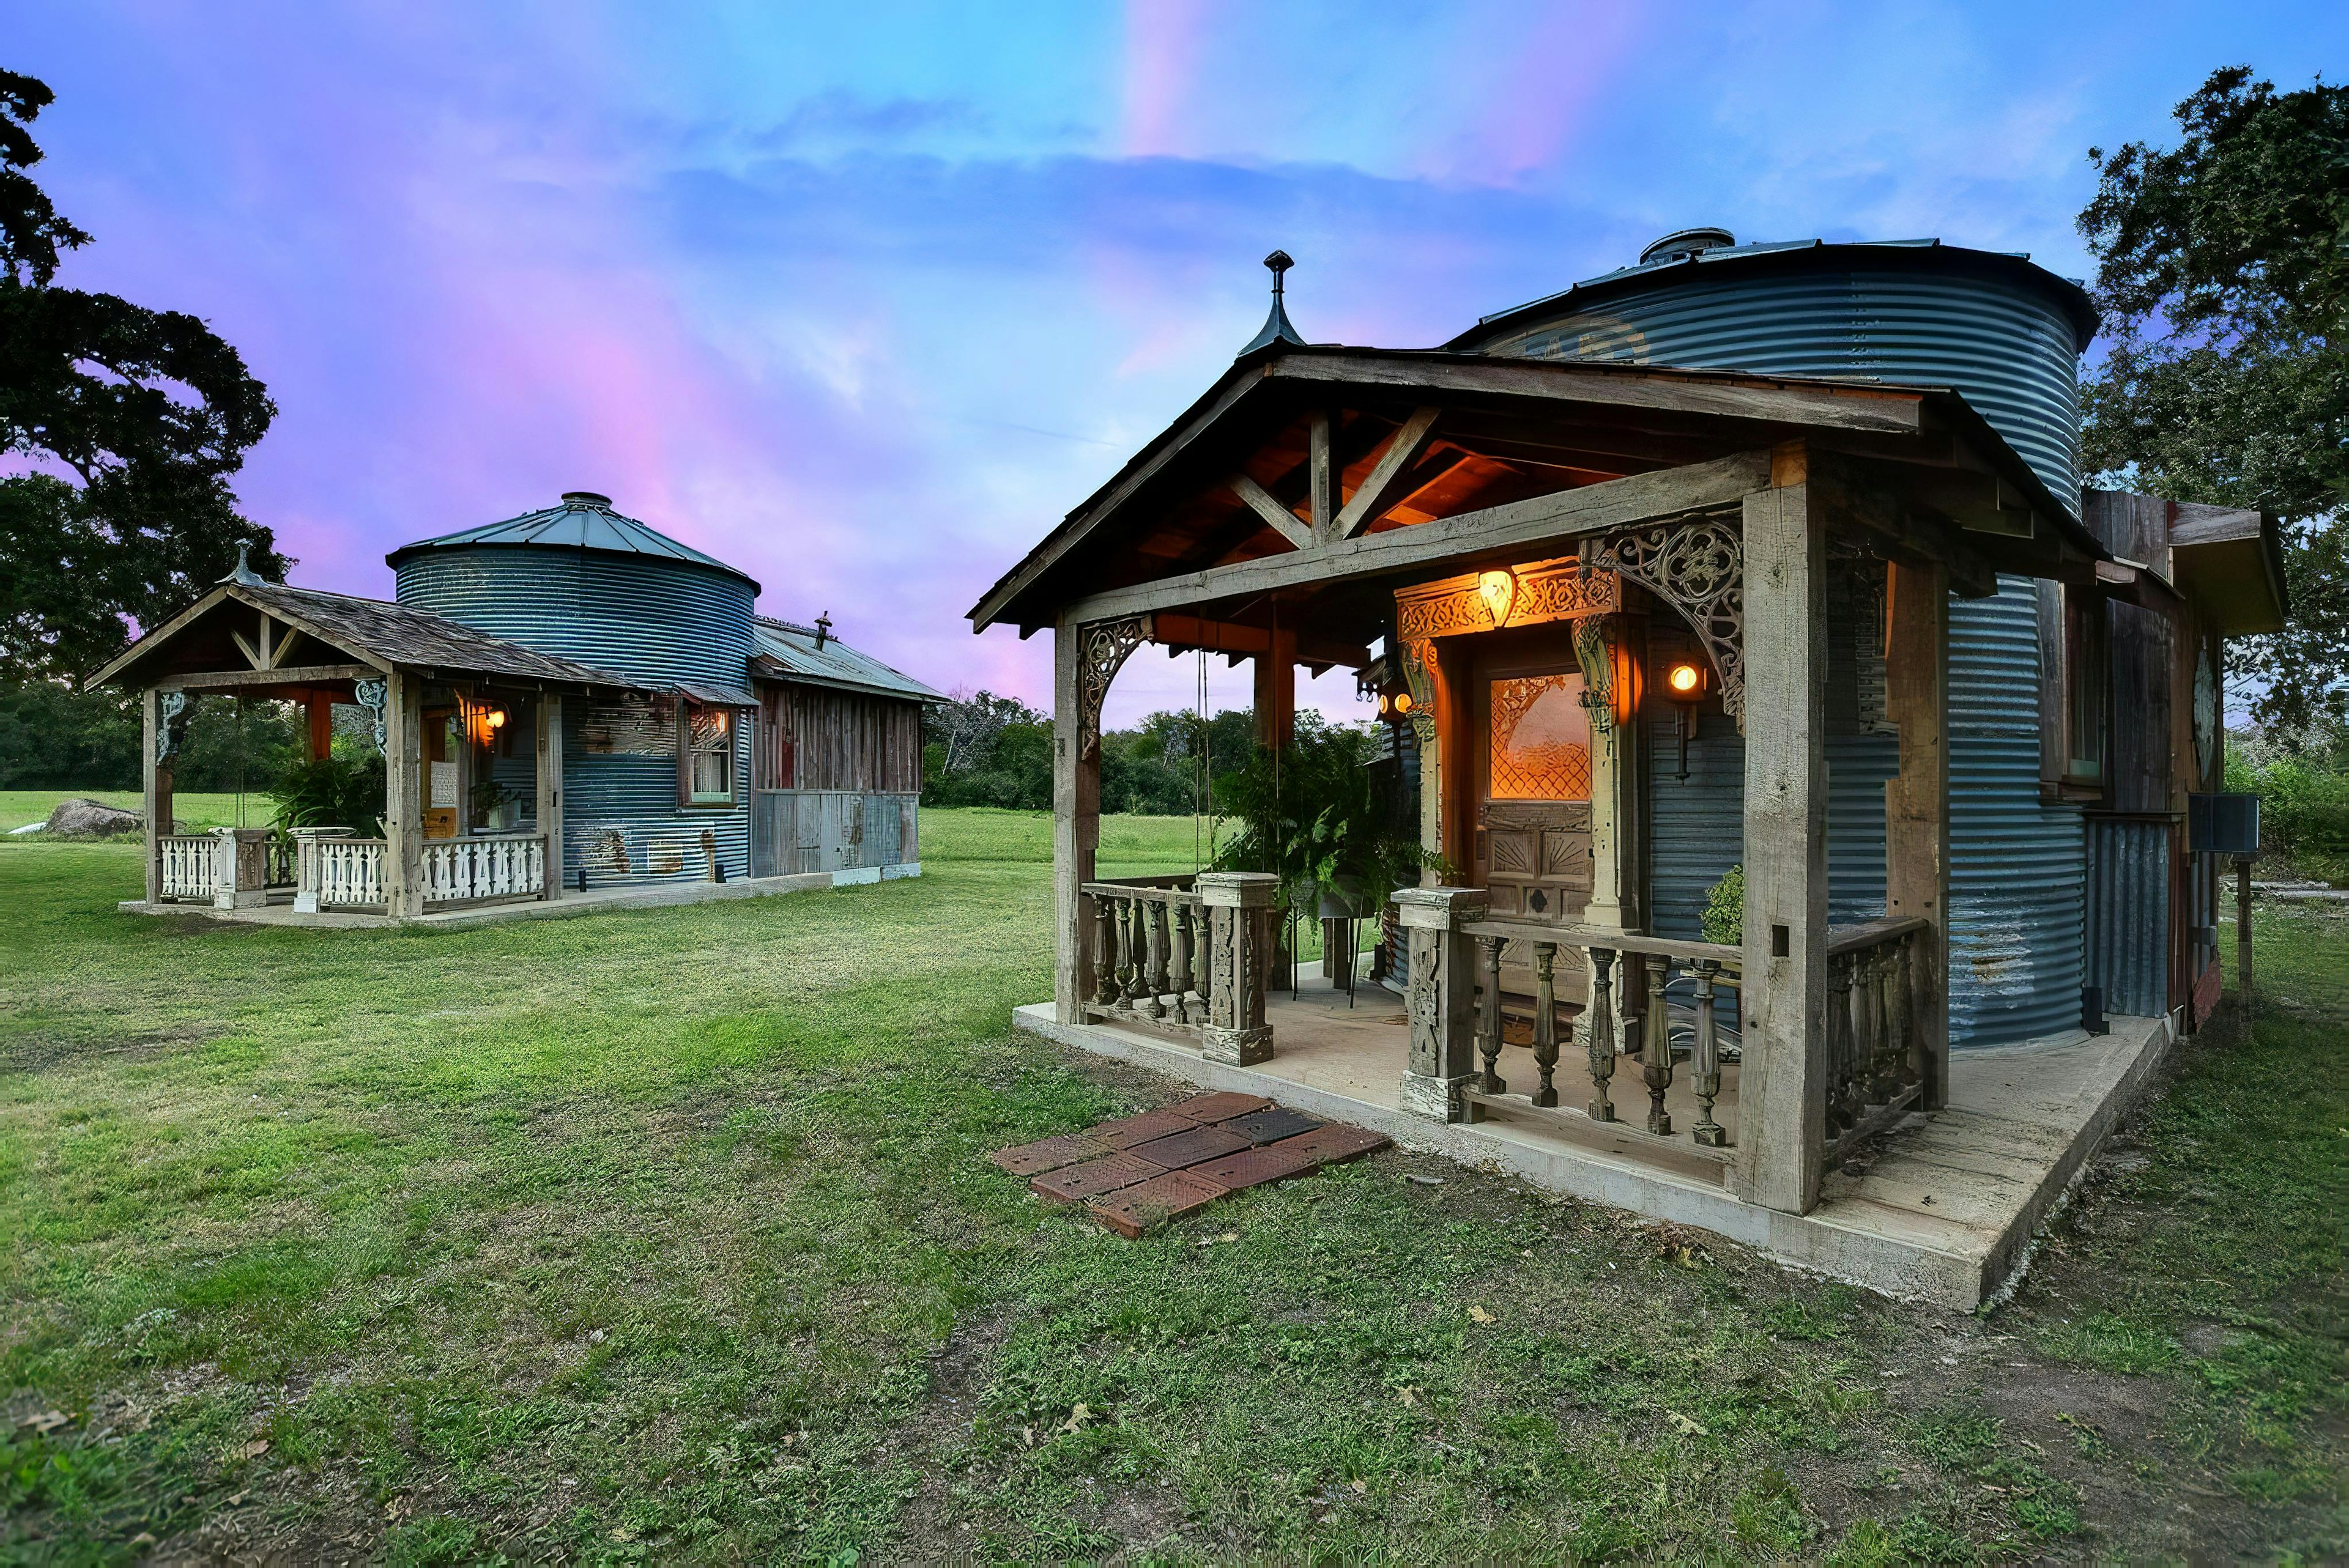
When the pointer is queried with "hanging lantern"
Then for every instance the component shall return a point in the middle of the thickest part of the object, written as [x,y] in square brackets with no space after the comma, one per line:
[1499,590]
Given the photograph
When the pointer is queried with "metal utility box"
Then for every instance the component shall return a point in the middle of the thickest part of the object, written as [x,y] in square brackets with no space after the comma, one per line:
[2223,824]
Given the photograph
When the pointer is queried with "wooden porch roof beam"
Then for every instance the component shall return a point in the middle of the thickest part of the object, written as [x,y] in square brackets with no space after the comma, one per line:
[1180,633]
[1492,531]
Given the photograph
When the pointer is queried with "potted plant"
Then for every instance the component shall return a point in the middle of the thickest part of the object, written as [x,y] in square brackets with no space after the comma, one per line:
[1314,816]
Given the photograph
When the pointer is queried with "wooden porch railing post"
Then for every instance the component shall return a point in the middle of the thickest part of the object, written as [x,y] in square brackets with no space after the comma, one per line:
[1238,907]
[1916,803]
[1783,1085]
[1442,1049]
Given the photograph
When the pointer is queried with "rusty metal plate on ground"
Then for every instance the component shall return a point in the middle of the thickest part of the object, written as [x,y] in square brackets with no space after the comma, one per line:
[1333,1143]
[1190,1147]
[1254,1166]
[1074,1183]
[1133,1210]
[1271,1126]
[1035,1159]
[1132,1130]
[1218,1107]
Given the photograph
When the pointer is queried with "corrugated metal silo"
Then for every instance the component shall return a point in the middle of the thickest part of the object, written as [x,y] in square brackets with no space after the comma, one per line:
[2007,337]
[583,580]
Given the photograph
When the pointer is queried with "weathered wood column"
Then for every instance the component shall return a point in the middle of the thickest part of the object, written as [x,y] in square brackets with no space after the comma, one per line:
[403,819]
[1076,823]
[1442,1001]
[1238,907]
[1276,692]
[1781,1099]
[1606,646]
[1916,801]
[156,783]
[549,737]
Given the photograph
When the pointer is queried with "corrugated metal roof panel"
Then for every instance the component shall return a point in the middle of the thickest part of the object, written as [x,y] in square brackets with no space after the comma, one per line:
[581,521]
[791,650]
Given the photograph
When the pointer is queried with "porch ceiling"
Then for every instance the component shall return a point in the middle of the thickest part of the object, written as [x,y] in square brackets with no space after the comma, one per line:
[267,639]
[1418,436]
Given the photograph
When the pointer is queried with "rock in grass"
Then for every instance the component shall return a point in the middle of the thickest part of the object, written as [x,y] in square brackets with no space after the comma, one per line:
[79,819]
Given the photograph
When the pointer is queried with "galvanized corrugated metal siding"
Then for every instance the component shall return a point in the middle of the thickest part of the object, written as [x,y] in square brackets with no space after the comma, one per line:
[1697,824]
[2008,349]
[2129,914]
[660,621]
[2017,867]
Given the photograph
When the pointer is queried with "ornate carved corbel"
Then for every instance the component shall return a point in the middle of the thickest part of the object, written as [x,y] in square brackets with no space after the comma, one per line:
[1698,567]
[174,728]
[375,697]
[1102,649]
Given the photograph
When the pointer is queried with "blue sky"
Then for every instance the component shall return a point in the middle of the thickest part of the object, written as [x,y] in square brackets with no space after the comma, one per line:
[863,298]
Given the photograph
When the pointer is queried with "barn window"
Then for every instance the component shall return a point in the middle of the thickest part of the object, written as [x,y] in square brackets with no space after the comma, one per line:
[705,764]
[2087,660]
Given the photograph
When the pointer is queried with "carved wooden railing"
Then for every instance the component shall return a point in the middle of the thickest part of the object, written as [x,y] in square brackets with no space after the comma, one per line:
[1150,951]
[1603,1040]
[335,871]
[279,863]
[190,865]
[489,865]
[1875,1038]
[1187,954]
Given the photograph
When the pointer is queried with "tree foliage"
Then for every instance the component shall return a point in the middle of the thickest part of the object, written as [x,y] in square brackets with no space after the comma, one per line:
[129,421]
[981,749]
[2224,273]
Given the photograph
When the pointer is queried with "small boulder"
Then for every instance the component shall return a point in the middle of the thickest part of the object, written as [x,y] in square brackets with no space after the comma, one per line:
[80,819]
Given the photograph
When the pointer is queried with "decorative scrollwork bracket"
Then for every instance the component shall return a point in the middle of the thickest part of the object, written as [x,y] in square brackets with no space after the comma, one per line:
[375,697]
[1698,567]
[173,728]
[1101,650]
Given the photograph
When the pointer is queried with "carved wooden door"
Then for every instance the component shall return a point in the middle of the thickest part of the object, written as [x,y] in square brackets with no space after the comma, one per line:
[1531,843]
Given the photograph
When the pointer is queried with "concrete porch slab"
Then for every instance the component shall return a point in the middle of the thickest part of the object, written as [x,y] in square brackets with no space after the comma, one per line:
[595,901]
[1943,1211]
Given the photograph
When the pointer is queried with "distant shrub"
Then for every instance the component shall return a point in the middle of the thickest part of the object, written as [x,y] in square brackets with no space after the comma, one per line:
[1724,909]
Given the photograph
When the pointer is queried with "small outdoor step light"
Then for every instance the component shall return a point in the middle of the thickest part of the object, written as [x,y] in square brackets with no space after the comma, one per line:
[1686,682]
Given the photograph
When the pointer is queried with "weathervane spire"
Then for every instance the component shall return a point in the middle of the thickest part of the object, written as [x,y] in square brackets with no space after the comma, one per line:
[1277,327]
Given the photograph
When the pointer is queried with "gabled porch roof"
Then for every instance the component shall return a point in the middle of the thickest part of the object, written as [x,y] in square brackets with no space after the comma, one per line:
[346,637]
[1422,435]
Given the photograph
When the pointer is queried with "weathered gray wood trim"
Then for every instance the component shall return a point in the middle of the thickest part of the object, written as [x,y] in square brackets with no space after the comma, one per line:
[1321,476]
[1916,800]
[549,737]
[293,675]
[1890,410]
[403,826]
[1076,821]
[1493,531]
[151,730]
[1381,487]
[1266,506]
[1780,1110]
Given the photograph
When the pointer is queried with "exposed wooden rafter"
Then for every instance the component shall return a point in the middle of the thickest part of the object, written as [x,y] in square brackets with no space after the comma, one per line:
[1382,487]
[1266,505]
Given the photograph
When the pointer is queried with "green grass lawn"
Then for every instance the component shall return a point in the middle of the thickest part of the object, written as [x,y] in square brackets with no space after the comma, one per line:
[668,1234]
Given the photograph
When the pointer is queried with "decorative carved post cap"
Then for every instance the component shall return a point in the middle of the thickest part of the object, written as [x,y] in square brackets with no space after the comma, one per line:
[1237,890]
[1440,908]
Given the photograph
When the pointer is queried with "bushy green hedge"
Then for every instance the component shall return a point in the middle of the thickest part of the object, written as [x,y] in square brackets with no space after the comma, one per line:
[2303,807]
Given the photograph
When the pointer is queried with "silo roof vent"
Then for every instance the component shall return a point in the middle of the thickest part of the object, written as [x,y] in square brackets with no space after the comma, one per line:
[1682,243]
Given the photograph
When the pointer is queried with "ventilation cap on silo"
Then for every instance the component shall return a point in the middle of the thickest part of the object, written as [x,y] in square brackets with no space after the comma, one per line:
[1682,243]
[585,497]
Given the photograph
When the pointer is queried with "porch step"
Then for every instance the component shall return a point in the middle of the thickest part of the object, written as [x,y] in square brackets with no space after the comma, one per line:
[1137,1172]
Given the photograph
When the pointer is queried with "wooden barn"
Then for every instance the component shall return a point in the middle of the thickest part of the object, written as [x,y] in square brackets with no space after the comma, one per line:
[1767,562]
[573,708]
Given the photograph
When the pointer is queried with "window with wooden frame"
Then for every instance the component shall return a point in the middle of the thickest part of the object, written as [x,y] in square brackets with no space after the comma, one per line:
[2075,692]
[704,754]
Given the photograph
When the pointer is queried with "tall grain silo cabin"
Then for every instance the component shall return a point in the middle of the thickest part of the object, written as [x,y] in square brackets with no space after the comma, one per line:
[1817,770]
[572,706]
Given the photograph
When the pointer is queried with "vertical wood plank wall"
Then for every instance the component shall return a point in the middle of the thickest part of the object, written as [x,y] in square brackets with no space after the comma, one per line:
[811,737]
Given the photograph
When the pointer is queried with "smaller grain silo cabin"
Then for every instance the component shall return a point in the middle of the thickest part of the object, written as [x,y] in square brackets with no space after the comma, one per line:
[570,706]
[837,756]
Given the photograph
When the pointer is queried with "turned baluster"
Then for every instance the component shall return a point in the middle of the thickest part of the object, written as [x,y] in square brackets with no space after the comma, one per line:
[1656,1055]
[1150,980]
[1129,943]
[1204,971]
[1179,979]
[1104,950]
[1601,1022]
[1545,1020]
[1491,1023]
[1883,1074]
[1907,1065]
[1704,1061]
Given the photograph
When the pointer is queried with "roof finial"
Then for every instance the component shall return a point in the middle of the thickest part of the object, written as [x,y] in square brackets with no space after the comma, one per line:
[822,630]
[243,572]
[1277,327]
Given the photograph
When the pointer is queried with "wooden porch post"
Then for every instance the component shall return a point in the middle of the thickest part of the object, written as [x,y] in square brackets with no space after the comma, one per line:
[1781,1104]
[1076,823]
[156,783]
[549,737]
[1276,692]
[1617,793]
[1917,802]
[320,710]
[403,819]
